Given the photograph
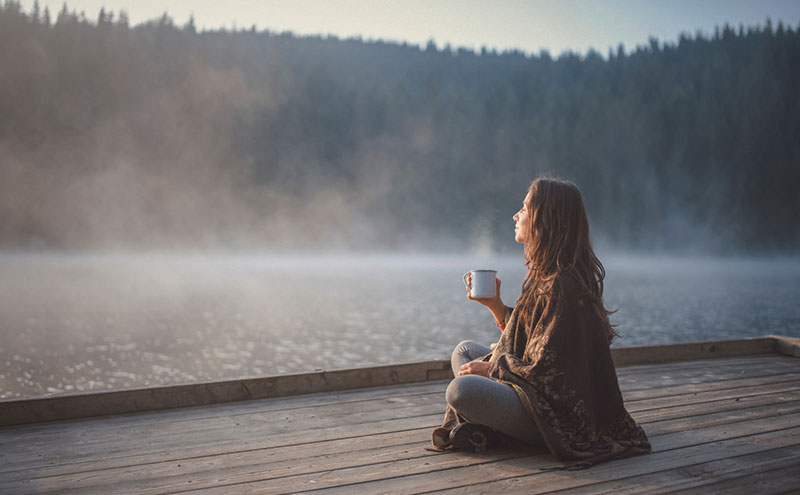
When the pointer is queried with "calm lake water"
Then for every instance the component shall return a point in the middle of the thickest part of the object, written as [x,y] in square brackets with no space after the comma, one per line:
[94,322]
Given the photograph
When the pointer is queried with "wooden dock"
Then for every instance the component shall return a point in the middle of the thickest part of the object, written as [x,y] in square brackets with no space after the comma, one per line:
[725,421]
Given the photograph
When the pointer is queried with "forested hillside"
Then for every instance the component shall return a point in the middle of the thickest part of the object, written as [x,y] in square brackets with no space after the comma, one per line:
[157,135]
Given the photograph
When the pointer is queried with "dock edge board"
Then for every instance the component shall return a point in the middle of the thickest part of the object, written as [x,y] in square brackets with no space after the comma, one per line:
[92,404]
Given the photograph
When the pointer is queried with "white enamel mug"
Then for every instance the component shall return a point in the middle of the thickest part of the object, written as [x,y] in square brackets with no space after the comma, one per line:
[484,283]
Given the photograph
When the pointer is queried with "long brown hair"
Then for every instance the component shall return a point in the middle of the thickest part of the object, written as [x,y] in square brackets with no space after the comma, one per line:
[558,243]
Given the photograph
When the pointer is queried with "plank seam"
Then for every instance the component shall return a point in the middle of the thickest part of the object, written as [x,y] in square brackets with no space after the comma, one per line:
[717,380]
[627,401]
[241,451]
[707,363]
[754,394]
[656,420]
[361,482]
[711,482]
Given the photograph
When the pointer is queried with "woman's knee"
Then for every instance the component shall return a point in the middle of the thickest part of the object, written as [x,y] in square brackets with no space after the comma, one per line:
[467,350]
[463,391]
[460,355]
[463,348]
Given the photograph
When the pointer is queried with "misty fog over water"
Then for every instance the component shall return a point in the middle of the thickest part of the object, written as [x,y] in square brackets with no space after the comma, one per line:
[96,322]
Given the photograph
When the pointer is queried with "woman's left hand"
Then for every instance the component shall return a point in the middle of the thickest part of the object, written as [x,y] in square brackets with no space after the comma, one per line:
[474,368]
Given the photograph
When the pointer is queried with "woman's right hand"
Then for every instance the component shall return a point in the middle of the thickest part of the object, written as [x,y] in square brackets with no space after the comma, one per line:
[495,304]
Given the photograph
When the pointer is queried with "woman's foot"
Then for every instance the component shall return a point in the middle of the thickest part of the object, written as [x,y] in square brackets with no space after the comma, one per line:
[471,437]
[441,439]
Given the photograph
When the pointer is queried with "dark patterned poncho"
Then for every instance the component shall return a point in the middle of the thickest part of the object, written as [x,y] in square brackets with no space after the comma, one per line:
[560,366]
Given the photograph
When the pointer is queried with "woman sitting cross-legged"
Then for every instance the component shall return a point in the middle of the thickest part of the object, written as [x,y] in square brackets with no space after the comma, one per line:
[550,380]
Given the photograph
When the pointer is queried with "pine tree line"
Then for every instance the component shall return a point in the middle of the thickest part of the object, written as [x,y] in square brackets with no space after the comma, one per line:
[158,134]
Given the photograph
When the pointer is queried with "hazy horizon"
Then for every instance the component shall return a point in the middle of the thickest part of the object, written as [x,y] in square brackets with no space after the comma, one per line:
[533,26]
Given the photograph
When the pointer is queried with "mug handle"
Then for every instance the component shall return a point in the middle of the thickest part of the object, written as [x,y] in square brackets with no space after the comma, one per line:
[465,281]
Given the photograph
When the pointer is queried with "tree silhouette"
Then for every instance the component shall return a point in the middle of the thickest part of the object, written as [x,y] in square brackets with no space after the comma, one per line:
[676,146]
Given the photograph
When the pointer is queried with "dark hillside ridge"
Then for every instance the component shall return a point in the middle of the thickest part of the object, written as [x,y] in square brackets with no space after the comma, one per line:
[158,135]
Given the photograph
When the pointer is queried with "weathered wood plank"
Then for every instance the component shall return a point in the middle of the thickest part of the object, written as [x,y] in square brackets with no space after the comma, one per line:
[687,388]
[736,411]
[789,346]
[157,449]
[308,417]
[305,421]
[683,444]
[702,398]
[326,478]
[55,450]
[712,395]
[657,426]
[297,453]
[698,476]
[774,362]
[437,466]
[746,361]
[227,410]
[228,433]
[209,471]
[177,446]
[238,466]
[782,480]
[647,381]
[520,475]
[689,411]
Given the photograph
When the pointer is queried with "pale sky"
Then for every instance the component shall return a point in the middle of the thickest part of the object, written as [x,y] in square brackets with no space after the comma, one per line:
[530,25]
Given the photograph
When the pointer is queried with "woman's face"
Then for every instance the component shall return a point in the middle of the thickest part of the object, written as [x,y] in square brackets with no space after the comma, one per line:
[521,218]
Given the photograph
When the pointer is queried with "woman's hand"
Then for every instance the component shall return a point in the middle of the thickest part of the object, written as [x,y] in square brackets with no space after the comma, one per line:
[474,368]
[495,304]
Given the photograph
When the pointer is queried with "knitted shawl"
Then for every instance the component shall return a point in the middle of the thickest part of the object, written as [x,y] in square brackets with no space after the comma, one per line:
[559,363]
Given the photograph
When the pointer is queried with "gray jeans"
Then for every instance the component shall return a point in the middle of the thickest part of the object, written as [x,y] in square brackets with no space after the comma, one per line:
[487,402]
